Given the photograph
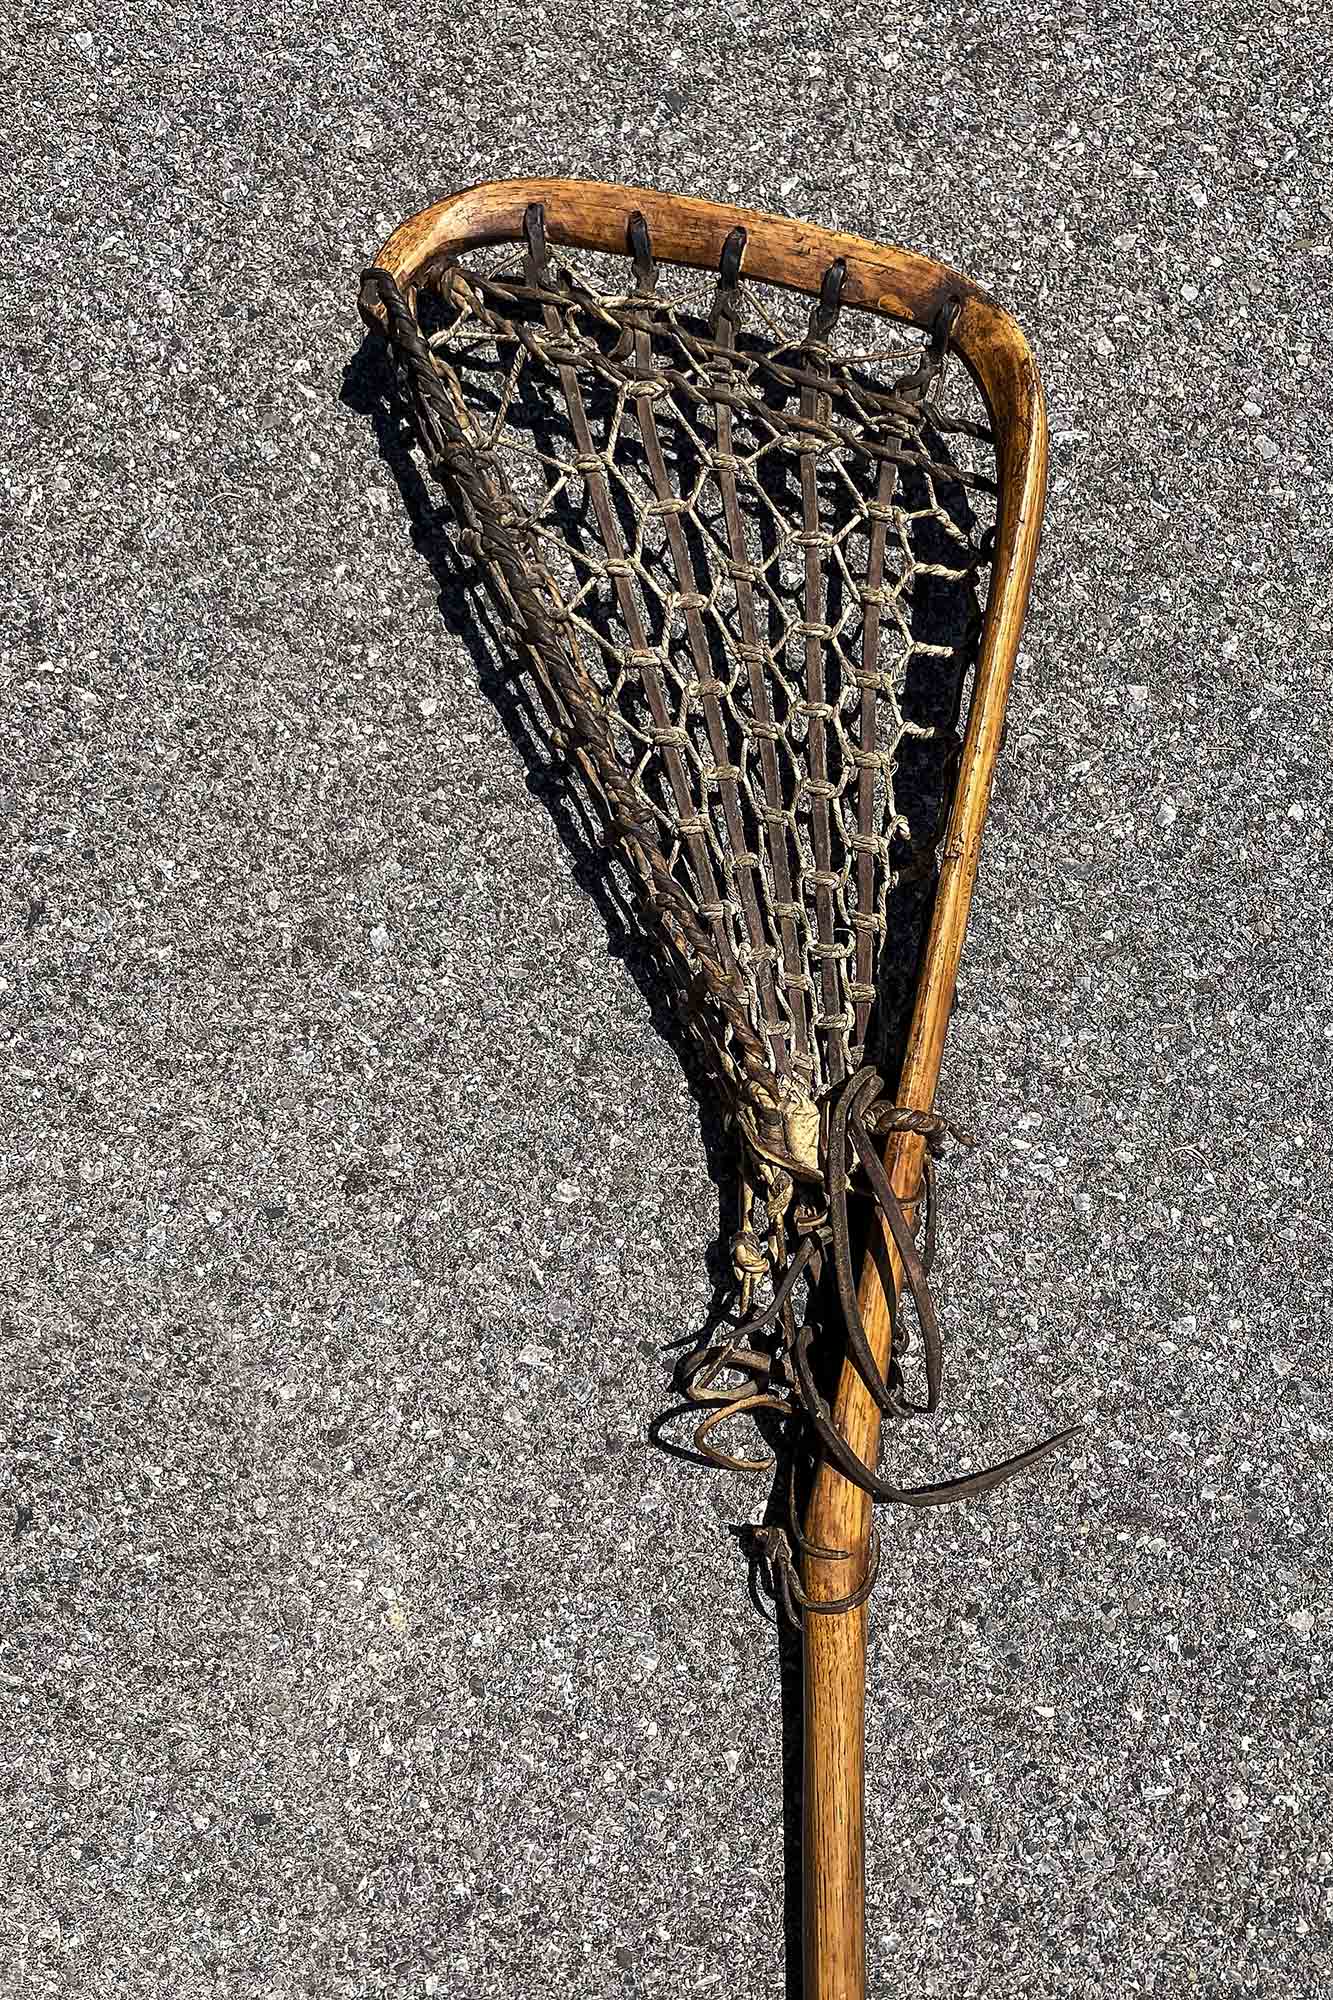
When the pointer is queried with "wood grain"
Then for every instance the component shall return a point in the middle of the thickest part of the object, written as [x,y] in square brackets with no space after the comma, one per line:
[911,288]
[839,1513]
[594,215]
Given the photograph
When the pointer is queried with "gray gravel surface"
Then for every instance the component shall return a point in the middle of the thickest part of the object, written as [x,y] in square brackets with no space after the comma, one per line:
[356,1643]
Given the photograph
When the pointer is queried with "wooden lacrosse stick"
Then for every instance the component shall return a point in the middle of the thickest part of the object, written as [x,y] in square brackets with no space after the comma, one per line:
[839,270]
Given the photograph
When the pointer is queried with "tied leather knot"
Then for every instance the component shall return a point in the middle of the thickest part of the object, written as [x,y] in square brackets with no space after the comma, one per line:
[854,1124]
[749,1259]
[886,1117]
[861,1112]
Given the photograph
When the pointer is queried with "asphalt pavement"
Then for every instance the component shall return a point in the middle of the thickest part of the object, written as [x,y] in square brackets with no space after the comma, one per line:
[357,1641]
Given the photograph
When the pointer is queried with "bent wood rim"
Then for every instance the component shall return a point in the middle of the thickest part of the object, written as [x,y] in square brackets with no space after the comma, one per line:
[905,286]
[901,285]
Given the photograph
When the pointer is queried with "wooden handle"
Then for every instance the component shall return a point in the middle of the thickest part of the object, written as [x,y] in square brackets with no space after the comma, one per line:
[838,1516]
[833,1842]
[833,1789]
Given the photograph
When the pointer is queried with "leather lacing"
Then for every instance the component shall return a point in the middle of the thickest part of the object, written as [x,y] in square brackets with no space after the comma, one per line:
[774,1350]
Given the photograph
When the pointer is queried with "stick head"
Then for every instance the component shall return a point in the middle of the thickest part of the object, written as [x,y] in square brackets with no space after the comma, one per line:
[754,541]
[745,545]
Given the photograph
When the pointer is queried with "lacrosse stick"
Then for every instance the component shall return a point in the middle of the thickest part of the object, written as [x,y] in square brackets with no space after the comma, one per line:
[719,542]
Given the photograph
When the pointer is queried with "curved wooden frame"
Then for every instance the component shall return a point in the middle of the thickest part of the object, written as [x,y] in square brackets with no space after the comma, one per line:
[903,286]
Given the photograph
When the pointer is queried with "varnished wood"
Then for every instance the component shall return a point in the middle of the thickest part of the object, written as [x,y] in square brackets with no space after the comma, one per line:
[908,287]
[590,215]
[594,215]
[839,1513]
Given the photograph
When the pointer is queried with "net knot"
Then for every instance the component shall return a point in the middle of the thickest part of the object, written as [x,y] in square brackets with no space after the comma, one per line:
[838,1021]
[749,1259]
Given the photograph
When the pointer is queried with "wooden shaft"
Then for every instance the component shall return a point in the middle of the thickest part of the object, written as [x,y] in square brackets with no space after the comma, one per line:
[833,1787]
[833,1853]
[838,1517]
